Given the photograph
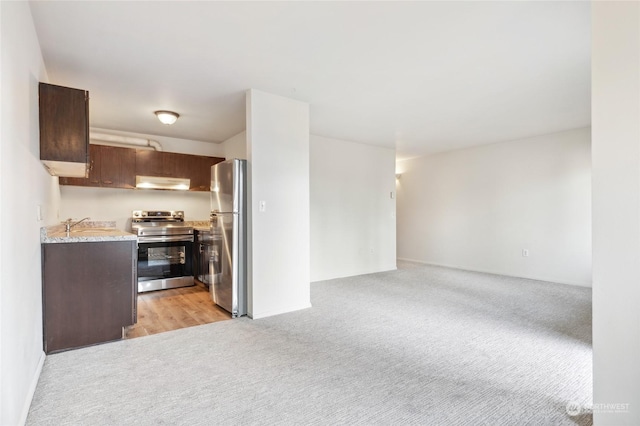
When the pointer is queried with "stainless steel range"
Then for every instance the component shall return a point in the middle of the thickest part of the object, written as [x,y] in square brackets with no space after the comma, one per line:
[165,247]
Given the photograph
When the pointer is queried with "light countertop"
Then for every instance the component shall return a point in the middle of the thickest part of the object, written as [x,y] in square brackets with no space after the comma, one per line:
[199,225]
[85,232]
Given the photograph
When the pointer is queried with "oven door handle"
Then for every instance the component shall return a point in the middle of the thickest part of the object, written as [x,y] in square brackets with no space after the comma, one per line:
[165,239]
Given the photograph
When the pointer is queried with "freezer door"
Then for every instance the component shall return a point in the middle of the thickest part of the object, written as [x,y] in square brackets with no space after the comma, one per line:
[223,187]
[225,287]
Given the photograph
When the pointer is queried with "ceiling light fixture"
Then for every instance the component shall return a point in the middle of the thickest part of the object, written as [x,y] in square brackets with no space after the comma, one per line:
[167,117]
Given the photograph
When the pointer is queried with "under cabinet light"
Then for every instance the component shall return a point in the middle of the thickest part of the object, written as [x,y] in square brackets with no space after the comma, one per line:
[155,182]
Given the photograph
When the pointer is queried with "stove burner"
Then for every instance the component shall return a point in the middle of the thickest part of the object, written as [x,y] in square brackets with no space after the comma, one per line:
[155,223]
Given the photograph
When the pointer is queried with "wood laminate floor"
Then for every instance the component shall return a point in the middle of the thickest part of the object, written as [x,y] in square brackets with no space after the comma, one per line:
[166,310]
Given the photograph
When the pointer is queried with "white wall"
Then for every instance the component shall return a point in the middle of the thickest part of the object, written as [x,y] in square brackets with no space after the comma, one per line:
[24,184]
[169,144]
[278,160]
[117,204]
[477,208]
[236,146]
[616,210]
[353,225]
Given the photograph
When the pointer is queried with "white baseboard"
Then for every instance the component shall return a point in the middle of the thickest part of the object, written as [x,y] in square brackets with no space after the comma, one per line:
[279,311]
[32,390]
[485,271]
[355,273]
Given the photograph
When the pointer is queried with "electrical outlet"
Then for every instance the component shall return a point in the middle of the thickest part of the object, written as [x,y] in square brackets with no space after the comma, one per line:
[39,213]
[263,206]
[525,253]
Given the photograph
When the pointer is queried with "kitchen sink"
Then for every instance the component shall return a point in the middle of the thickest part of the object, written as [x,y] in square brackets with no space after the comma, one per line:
[92,230]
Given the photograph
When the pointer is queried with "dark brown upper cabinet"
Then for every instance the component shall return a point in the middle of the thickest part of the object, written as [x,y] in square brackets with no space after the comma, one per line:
[118,167]
[110,166]
[152,163]
[64,130]
[170,164]
[201,177]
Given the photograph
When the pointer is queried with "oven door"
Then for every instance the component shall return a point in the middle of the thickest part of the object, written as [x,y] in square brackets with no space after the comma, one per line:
[164,264]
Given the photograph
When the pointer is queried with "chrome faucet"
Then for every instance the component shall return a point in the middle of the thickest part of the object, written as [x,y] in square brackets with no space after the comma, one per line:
[69,223]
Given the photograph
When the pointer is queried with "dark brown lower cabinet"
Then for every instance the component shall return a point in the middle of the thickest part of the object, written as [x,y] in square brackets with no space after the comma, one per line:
[89,292]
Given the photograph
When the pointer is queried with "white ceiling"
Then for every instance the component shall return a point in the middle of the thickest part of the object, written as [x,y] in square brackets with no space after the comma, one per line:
[421,77]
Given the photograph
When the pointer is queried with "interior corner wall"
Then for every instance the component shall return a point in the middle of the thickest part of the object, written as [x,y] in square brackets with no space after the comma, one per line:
[479,208]
[278,163]
[353,206]
[24,185]
[236,146]
[615,104]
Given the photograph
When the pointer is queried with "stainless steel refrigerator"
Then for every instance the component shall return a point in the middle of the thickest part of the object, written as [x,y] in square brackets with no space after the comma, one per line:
[228,223]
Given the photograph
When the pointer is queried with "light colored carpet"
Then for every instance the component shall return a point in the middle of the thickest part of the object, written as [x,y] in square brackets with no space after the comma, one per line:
[420,345]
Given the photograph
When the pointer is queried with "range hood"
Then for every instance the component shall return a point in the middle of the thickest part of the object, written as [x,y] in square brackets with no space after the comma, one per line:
[156,182]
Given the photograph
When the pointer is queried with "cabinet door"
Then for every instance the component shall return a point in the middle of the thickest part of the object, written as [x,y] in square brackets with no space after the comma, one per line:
[182,165]
[201,172]
[64,124]
[110,166]
[117,167]
[94,170]
[164,164]
[89,292]
[150,163]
